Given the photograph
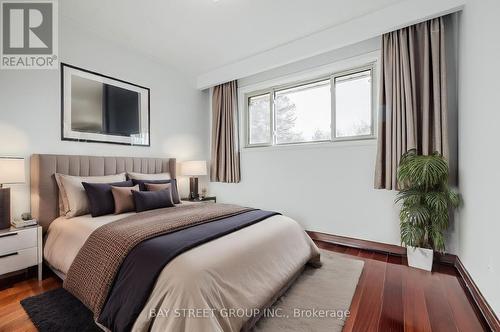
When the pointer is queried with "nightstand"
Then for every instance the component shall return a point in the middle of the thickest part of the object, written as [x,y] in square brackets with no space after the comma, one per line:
[20,248]
[204,199]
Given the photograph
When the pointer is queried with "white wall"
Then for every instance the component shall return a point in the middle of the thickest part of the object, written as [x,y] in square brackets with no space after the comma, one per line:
[30,106]
[479,159]
[325,187]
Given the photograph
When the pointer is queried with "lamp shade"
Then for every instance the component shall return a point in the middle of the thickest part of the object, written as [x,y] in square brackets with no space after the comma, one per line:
[194,168]
[12,170]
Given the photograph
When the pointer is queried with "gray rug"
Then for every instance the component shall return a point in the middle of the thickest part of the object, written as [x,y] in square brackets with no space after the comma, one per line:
[318,301]
[57,310]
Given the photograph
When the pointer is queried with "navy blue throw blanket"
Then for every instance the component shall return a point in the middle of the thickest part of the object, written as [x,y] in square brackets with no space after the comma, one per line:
[138,273]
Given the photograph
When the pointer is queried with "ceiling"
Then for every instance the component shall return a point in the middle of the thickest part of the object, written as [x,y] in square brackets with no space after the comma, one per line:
[197,36]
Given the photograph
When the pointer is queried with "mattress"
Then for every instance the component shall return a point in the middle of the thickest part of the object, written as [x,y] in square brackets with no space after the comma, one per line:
[216,286]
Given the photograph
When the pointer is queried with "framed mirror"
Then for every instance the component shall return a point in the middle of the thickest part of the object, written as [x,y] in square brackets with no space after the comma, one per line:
[99,108]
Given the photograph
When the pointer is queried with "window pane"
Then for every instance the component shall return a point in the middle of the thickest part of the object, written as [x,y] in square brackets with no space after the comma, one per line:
[259,117]
[303,113]
[353,104]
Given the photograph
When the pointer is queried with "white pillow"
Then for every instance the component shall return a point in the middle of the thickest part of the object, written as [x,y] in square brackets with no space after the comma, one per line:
[71,191]
[63,201]
[144,176]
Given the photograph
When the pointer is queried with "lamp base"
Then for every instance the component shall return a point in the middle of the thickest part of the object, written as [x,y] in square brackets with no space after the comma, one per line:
[193,188]
[4,208]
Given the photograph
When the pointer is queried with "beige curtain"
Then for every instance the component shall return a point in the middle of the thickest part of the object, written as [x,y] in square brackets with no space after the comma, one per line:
[225,150]
[413,98]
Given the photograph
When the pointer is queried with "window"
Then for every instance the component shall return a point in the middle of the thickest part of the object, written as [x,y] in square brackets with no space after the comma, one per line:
[328,109]
[353,104]
[259,118]
[303,113]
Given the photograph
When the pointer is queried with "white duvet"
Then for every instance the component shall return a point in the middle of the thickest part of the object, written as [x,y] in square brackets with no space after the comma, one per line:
[212,287]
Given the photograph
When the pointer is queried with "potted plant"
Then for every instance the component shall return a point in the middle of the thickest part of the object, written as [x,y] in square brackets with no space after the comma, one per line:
[427,202]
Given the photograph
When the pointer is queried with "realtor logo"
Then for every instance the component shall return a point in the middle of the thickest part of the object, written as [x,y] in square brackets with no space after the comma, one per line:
[29,35]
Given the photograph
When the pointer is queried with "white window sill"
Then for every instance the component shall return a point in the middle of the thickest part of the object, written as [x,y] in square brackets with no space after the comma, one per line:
[341,143]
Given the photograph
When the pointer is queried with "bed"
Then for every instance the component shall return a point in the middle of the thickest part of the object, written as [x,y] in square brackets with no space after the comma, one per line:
[221,284]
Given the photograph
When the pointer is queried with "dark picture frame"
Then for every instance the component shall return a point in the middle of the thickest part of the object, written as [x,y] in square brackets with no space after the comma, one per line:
[127,90]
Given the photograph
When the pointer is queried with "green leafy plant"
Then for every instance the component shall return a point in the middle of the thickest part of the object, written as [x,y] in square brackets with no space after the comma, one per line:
[426,200]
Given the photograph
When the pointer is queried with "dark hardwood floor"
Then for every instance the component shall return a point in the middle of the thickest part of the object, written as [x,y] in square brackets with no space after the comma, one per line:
[390,297]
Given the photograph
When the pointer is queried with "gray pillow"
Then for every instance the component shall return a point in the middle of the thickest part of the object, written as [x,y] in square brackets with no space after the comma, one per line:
[150,200]
[173,182]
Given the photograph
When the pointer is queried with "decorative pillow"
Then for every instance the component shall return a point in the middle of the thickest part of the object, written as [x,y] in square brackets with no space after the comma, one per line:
[100,197]
[123,198]
[173,182]
[144,176]
[149,200]
[158,186]
[73,194]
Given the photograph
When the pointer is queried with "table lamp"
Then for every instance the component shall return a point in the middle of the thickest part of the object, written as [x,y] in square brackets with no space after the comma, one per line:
[193,169]
[11,172]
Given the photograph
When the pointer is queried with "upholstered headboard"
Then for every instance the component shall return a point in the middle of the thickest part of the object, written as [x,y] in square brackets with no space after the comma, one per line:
[44,191]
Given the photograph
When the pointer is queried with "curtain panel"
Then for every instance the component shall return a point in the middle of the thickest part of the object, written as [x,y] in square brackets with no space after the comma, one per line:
[225,166]
[413,97]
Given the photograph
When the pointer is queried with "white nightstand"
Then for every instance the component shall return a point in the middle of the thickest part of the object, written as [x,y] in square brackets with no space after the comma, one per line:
[20,248]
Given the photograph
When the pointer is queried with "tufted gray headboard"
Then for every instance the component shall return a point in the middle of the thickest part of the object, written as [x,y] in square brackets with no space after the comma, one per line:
[44,191]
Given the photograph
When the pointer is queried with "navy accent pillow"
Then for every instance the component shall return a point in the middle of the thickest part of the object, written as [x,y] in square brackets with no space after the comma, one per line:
[175,193]
[101,201]
[150,200]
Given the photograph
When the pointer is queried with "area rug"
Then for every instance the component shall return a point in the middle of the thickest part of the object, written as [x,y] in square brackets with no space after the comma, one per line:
[319,300]
[57,310]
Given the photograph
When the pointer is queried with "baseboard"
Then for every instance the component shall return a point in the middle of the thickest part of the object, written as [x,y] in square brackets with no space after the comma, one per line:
[448,259]
[358,244]
[487,312]
[389,249]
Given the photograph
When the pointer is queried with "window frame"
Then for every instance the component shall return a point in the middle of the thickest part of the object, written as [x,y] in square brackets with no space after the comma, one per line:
[371,66]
